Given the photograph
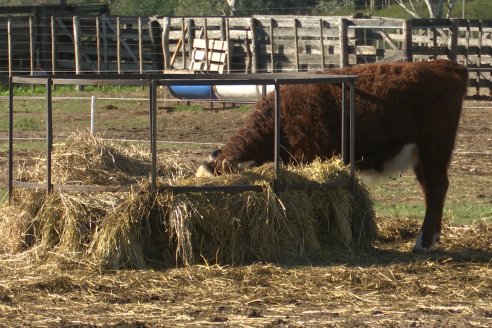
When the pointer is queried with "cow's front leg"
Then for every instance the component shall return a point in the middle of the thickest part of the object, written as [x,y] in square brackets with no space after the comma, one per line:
[434,183]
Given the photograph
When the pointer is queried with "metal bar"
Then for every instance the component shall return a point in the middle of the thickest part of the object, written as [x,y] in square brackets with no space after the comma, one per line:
[74,188]
[184,79]
[11,138]
[281,187]
[49,136]
[277,135]
[153,135]
[343,127]
[352,134]
[229,189]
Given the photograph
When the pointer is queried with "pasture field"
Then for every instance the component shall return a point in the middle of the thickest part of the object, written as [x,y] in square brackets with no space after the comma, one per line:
[385,286]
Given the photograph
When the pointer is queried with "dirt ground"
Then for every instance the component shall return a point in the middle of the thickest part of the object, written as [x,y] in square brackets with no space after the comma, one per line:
[384,287]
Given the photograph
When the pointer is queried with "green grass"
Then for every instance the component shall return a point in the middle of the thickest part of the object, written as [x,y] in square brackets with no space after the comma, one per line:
[28,90]
[403,198]
[24,123]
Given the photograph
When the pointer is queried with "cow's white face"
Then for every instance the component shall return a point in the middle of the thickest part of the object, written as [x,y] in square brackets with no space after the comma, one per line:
[204,170]
[218,165]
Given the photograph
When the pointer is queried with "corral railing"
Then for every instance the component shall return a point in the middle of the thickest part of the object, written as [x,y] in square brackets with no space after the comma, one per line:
[108,44]
[152,81]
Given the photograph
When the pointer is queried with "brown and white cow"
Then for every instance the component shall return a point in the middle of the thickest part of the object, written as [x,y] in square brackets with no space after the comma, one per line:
[407,114]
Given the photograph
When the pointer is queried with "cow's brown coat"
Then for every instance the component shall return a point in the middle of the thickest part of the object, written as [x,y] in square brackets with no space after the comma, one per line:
[396,104]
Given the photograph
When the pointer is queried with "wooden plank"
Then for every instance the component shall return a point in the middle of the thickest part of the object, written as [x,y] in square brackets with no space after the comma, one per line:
[9,45]
[53,44]
[272,47]
[421,50]
[140,46]
[321,43]
[98,45]
[31,46]
[123,42]
[388,40]
[343,42]
[296,45]
[77,45]
[407,41]
[118,45]
[165,43]
[71,36]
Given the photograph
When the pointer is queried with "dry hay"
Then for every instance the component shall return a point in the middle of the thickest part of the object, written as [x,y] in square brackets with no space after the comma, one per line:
[140,228]
[287,226]
[385,287]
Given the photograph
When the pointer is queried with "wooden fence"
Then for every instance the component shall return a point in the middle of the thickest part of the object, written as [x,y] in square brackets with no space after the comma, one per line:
[102,43]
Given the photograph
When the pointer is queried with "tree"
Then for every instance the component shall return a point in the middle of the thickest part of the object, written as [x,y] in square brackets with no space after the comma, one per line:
[201,8]
[436,8]
[142,7]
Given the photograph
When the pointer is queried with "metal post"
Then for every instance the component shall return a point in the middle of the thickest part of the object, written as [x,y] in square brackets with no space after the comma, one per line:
[153,135]
[344,126]
[352,133]
[277,135]
[11,137]
[93,114]
[49,136]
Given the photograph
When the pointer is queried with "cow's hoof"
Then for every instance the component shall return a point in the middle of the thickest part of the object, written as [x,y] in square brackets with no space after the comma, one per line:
[421,247]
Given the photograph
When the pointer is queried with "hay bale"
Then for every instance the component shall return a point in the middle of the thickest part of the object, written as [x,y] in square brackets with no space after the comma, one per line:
[141,228]
[286,227]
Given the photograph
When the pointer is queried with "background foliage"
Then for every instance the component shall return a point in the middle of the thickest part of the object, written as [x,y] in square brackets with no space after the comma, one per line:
[470,9]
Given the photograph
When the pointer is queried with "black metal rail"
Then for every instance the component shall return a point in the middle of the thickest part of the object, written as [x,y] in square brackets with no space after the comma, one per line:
[152,81]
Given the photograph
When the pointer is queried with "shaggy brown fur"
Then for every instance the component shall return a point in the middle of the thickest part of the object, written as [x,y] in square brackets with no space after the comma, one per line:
[396,104]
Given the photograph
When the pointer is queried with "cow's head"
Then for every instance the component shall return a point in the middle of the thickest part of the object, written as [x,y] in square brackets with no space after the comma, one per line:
[218,164]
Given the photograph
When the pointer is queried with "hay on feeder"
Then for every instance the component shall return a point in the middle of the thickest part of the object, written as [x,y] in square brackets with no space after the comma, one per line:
[284,227]
[93,227]
[141,228]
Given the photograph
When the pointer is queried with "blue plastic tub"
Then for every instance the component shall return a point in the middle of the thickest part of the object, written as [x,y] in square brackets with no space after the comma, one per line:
[192,91]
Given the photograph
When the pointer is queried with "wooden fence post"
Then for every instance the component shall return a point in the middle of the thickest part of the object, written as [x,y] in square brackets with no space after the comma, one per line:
[407,41]
[105,42]
[118,45]
[322,43]
[296,44]
[9,45]
[98,44]
[140,46]
[77,47]
[272,46]
[343,37]
[254,49]
[53,45]
[205,35]
[184,28]
[453,47]
[191,37]
[224,36]
[31,46]
[166,26]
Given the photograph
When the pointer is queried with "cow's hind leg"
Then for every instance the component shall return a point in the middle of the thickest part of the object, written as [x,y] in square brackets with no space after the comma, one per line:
[433,177]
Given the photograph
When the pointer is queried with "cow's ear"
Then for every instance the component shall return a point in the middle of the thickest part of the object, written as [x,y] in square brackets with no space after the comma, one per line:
[214,155]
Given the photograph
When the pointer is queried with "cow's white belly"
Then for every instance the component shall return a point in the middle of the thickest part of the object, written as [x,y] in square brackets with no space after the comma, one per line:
[393,168]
